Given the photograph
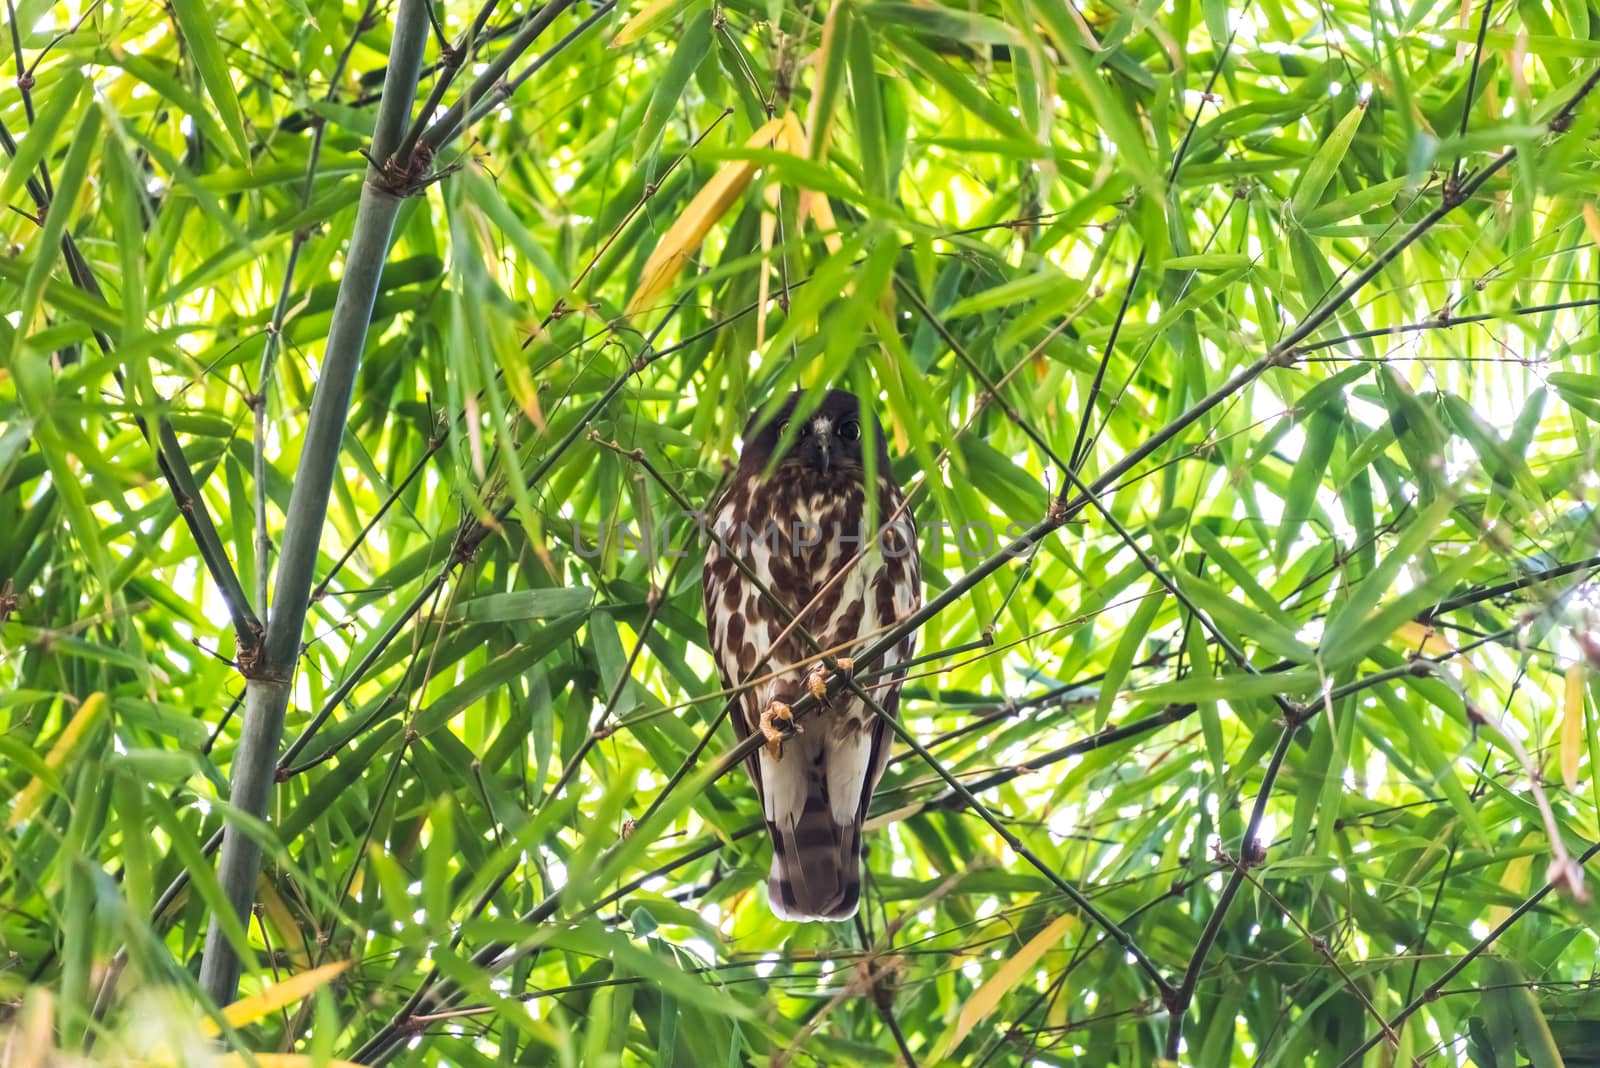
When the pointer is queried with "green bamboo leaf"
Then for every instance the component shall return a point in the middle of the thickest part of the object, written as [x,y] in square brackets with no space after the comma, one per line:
[958,85]
[1416,429]
[1261,628]
[199,869]
[832,60]
[1382,624]
[1128,646]
[1044,284]
[692,49]
[1310,469]
[1545,46]
[1358,203]
[1353,614]
[36,144]
[1498,1039]
[1426,750]
[1504,466]
[867,96]
[937,21]
[651,16]
[1229,687]
[437,860]
[197,24]
[1113,114]
[1330,775]
[1211,261]
[336,783]
[1315,178]
[499,672]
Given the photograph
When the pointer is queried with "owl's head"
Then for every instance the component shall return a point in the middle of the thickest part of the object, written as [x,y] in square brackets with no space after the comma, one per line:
[826,443]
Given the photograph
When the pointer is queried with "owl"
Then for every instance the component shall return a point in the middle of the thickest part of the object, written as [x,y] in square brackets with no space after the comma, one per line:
[800,524]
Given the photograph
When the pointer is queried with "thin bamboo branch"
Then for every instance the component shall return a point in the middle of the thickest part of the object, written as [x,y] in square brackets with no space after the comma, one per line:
[1443,322]
[449,125]
[451,60]
[502,91]
[1472,84]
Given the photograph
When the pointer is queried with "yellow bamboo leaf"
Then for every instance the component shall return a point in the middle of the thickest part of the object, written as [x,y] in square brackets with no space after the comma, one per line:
[30,1041]
[794,140]
[1423,639]
[1591,222]
[904,812]
[822,215]
[1463,20]
[811,204]
[1572,735]
[683,237]
[291,939]
[77,727]
[248,1010]
[769,230]
[793,137]
[1515,882]
[648,18]
[998,985]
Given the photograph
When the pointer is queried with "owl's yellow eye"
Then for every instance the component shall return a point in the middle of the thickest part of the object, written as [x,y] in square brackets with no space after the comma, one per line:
[850,431]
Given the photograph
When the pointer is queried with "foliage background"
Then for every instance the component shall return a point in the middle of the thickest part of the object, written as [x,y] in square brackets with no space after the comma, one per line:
[1301,705]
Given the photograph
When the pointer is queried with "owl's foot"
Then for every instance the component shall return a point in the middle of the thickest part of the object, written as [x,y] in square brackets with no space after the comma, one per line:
[777,725]
[817,677]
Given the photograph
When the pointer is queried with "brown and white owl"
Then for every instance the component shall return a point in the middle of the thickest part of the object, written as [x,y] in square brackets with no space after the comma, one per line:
[798,526]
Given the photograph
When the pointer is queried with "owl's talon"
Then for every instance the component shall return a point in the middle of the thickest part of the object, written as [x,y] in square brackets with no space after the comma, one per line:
[777,725]
[817,677]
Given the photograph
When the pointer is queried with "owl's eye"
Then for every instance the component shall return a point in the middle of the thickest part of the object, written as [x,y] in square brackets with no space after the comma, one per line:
[850,431]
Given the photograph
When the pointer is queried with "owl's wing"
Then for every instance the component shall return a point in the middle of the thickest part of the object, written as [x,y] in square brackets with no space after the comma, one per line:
[735,641]
[894,595]
[723,587]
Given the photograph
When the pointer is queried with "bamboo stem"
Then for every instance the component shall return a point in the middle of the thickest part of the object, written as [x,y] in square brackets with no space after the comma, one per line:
[267,694]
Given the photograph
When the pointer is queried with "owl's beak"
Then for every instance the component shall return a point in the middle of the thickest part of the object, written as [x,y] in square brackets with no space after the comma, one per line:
[817,453]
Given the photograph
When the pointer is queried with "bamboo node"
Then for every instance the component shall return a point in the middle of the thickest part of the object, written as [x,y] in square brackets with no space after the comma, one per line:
[249,657]
[1452,194]
[409,177]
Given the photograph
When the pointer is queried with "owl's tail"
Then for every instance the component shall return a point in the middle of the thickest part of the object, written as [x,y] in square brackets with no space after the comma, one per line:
[816,863]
